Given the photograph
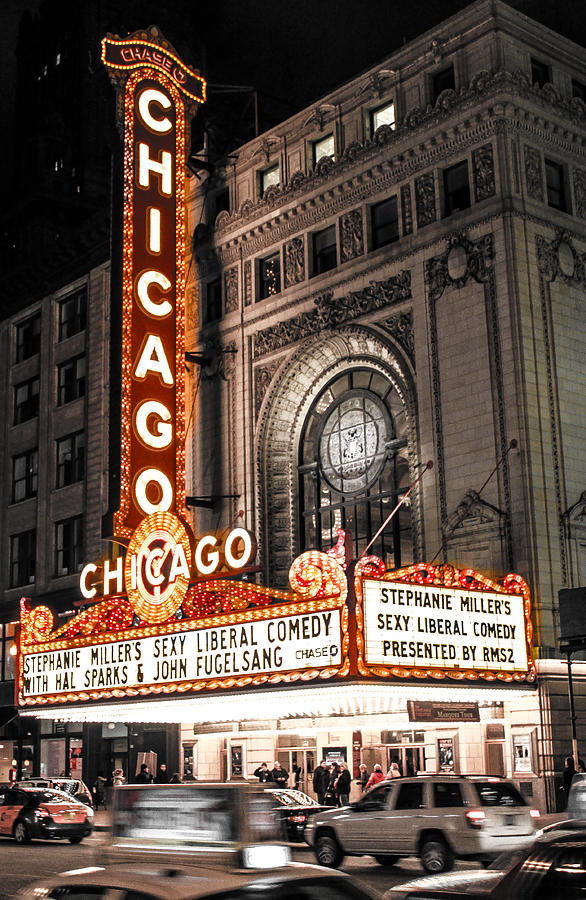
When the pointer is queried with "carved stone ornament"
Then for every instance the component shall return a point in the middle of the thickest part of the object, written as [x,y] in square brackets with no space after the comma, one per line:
[471,510]
[462,260]
[483,173]
[351,238]
[247,282]
[231,289]
[533,175]
[330,313]
[559,260]
[263,375]
[294,262]
[425,199]
[401,328]
[580,192]
[219,359]
[406,209]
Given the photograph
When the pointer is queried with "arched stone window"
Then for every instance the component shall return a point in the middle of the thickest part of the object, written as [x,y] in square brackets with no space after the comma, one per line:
[353,466]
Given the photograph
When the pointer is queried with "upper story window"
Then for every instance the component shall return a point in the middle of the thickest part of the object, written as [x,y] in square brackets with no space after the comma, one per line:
[456,188]
[25,474]
[72,314]
[212,305]
[220,202]
[579,90]
[444,80]
[384,223]
[322,147]
[23,552]
[270,177]
[382,115]
[325,256]
[69,546]
[28,337]
[71,380]
[540,72]
[556,185]
[7,651]
[70,459]
[269,276]
[26,400]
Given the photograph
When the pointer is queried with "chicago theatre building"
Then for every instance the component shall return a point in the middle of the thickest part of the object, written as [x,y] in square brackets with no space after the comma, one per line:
[371,315]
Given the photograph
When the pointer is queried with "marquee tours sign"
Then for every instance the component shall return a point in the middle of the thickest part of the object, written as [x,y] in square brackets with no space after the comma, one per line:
[169,616]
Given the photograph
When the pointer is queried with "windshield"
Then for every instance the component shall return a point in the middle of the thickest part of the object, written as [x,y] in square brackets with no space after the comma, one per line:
[498,793]
[47,797]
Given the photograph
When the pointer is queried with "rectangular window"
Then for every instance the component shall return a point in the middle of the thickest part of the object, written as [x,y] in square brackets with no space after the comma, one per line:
[72,314]
[28,337]
[325,256]
[322,147]
[268,178]
[71,380]
[269,276]
[221,202]
[385,223]
[23,551]
[456,188]
[70,459]
[410,796]
[7,652]
[26,401]
[212,309]
[556,190]
[69,546]
[445,80]
[579,90]
[25,472]
[447,793]
[382,115]
[540,72]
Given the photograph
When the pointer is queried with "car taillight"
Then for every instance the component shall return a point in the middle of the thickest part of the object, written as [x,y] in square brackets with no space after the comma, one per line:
[41,813]
[475,818]
[298,819]
[535,813]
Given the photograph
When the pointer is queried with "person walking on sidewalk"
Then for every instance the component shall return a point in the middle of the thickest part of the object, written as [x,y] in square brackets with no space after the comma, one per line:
[99,791]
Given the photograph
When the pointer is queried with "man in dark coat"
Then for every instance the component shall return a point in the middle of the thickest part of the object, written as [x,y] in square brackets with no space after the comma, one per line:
[262,773]
[343,785]
[144,776]
[280,775]
[321,779]
[162,775]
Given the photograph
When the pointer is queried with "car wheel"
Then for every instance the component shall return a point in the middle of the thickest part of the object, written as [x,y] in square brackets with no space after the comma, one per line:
[436,856]
[21,835]
[386,859]
[328,852]
[76,840]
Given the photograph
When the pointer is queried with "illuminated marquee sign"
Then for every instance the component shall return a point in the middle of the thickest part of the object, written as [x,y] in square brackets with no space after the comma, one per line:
[438,621]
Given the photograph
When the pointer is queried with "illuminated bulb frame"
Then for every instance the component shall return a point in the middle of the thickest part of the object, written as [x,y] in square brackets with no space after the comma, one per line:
[445,576]
[153,64]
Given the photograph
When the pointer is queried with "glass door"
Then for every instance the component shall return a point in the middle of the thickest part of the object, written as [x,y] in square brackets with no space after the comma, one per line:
[410,760]
[302,762]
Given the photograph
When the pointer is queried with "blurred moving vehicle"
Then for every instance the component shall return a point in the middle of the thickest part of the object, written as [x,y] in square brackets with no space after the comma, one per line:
[295,808]
[436,817]
[73,786]
[27,813]
[554,867]
[152,882]
[577,797]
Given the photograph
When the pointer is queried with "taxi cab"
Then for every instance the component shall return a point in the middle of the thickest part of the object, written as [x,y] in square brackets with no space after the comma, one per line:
[27,813]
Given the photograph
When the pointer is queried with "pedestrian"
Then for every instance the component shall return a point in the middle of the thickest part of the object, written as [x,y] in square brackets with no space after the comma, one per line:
[99,791]
[394,771]
[343,785]
[293,779]
[162,775]
[117,777]
[375,778]
[362,776]
[279,775]
[321,779]
[331,798]
[263,773]
[176,778]
[567,776]
[144,776]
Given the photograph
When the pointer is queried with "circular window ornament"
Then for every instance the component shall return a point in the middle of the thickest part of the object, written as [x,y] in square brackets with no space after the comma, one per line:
[157,567]
[352,442]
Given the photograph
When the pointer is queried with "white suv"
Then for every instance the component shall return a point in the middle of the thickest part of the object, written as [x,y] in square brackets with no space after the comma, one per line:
[434,817]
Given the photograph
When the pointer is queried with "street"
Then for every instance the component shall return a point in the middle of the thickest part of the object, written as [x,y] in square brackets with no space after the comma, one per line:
[22,864]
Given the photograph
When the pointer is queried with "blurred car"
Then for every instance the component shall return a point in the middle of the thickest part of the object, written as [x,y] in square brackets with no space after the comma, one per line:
[436,817]
[577,797]
[73,786]
[554,867]
[27,813]
[294,808]
[293,882]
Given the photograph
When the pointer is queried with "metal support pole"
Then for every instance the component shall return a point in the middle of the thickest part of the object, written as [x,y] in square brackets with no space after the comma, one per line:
[572,711]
